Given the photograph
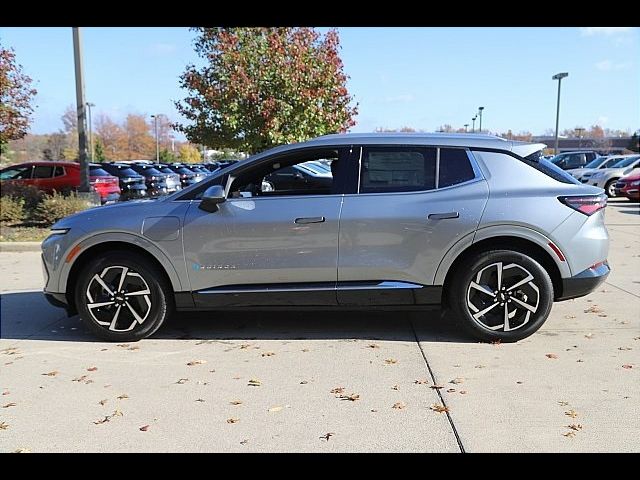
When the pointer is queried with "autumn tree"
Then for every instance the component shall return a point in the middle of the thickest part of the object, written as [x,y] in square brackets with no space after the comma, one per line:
[112,137]
[167,156]
[189,154]
[263,87]
[16,98]
[140,143]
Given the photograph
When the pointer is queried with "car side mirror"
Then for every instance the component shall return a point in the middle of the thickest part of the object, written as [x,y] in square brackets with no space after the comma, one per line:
[298,176]
[212,197]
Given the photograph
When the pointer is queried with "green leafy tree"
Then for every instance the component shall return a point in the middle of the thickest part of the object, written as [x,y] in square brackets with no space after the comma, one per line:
[99,152]
[262,87]
[16,98]
[166,156]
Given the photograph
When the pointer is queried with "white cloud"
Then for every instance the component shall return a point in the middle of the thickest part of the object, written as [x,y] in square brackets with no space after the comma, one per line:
[162,49]
[607,31]
[608,65]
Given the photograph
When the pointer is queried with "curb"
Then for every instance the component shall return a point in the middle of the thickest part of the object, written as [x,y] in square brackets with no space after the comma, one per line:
[20,246]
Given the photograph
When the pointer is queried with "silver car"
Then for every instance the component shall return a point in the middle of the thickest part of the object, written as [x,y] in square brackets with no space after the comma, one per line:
[598,163]
[478,224]
[608,177]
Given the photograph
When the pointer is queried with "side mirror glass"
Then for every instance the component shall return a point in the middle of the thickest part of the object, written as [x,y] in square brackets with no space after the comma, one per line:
[212,197]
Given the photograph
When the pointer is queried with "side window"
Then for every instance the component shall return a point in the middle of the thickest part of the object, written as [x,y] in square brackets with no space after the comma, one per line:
[19,173]
[58,171]
[455,167]
[397,169]
[41,171]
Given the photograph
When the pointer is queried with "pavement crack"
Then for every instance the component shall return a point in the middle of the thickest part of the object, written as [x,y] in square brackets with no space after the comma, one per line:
[622,289]
[433,379]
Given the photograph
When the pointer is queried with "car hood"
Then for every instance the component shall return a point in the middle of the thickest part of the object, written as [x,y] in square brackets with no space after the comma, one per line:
[98,214]
[581,171]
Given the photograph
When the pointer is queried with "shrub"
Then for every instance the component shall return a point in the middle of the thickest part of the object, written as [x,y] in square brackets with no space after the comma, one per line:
[30,194]
[56,206]
[11,209]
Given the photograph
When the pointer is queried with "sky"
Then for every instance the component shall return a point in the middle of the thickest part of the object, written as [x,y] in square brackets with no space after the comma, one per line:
[415,77]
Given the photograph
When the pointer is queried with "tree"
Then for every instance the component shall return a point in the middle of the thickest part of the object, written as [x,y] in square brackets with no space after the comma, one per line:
[55,146]
[70,119]
[166,156]
[112,137]
[16,98]
[140,143]
[634,143]
[595,131]
[189,154]
[262,87]
[99,152]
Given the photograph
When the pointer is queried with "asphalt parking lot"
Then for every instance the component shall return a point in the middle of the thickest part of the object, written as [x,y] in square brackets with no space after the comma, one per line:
[318,382]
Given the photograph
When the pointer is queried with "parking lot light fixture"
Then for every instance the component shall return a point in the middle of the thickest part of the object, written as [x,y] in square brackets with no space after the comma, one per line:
[466,127]
[473,125]
[480,109]
[155,128]
[559,77]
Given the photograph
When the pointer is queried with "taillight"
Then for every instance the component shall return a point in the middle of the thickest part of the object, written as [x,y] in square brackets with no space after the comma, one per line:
[587,204]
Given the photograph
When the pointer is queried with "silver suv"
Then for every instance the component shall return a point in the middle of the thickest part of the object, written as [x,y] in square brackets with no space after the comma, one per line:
[476,223]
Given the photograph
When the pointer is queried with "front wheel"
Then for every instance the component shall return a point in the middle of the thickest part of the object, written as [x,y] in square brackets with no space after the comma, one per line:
[610,188]
[121,297]
[501,295]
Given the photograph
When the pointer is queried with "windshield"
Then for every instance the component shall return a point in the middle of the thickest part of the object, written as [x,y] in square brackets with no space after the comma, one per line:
[557,158]
[98,172]
[595,163]
[149,171]
[624,162]
[128,172]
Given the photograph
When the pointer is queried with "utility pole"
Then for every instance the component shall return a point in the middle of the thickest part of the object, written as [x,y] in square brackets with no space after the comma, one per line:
[559,77]
[466,127]
[480,113]
[473,125]
[82,116]
[155,123]
[89,105]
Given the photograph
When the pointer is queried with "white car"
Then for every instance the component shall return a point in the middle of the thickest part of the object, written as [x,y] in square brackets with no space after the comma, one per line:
[607,177]
[583,174]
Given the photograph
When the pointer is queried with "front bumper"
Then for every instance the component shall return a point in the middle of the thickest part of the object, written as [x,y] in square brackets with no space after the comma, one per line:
[57,299]
[585,282]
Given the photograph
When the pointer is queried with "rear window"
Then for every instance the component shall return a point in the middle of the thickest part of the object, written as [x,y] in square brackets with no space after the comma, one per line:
[98,172]
[620,164]
[150,171]
[536,161]
[455,167]
[41,171]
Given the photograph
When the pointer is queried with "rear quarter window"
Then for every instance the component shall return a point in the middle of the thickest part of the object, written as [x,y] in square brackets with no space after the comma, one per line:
[550,169]
[455,167]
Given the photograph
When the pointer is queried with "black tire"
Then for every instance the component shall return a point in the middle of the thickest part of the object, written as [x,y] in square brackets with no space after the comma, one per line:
[159,297]
[608,188]
[461,293]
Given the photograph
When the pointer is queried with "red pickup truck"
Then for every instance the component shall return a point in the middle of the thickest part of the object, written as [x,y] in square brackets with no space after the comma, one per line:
[61,176]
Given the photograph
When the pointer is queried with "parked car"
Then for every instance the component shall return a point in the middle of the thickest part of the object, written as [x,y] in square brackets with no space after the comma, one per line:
[61,177]
[629,186]
[132,184]
[607,177]
[155,180]
[479,225]
[174,182]
[303,176]
[187,177]
[571,160]
[584,173]
[211,167]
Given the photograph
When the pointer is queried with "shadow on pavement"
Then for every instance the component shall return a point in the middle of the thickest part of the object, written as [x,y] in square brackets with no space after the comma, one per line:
[29,315]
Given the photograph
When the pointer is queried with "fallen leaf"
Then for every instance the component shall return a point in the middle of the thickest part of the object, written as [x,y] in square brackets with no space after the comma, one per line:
[9,405]
[10,351]
[233,420]
[421,382]
[571,413]
[236,402]
[267,354]
[303,382]
[124,396]
[327,436]
[51,374]
[636,338]
[463,392]
[374,410]
[627,366]
[201,400]
[551,355]
[480,366]
[603,315]
[4,426]
[451,390]
[352,398]
[625,348]
[304,350]
[103,402]
[436,407]
[457,380]
[519,382]
[575,426]
[92,369]
[80,379]
[245,346]
[593,309]
[436,387]
[116,413]
[123,345]
[6,392]
[569,316]
[399,405]
[395,387]
[275,409]
[244,442]
[144,428]
[22,450]
[337,390]
[254,382]
[390,361]
[104,349]
[182,381]
[135,347]
[196,362]
[569,434]
[373,345]
[589,336]
[496,342]
[562,403]
[579,360]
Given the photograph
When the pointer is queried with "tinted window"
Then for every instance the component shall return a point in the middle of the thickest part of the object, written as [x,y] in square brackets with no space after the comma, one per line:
[624,163]
[41,171]
[127,172]
[575,160]
[397,169]
[455,167]
[550,169]
[58,171]
[98,172]
[16,173]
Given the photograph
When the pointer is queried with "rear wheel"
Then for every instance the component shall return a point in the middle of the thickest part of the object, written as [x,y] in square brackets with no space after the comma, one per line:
[121,297]
[501,295]
[609,188]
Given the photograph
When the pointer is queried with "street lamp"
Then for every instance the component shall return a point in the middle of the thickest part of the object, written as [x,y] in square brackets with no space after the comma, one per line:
[480,113]
[155,126]
[579,131]
[466,127]
[89,105]
[473,125]
[559,77]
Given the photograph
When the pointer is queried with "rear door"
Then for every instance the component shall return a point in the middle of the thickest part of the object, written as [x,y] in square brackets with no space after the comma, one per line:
[413,204]
[42,177]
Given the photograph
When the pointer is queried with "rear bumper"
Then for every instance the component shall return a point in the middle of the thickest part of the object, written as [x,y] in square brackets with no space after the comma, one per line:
[584,283]
[109,197]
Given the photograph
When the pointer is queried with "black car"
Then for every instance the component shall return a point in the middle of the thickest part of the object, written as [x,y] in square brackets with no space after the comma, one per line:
[174,182]
[570,160]
[156,180]
[132,184]
[187,176]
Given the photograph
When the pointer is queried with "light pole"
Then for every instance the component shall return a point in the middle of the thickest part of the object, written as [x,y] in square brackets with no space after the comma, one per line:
[466,127]
[82,116]
[559,77]
[89,105]
[480,113]
[155,127]
[473,125]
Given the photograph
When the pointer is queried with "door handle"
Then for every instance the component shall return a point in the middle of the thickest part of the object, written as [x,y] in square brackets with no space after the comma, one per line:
[303,220]
[443,216]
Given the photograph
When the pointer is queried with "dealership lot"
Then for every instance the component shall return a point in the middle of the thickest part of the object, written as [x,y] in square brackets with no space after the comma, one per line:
[353,381]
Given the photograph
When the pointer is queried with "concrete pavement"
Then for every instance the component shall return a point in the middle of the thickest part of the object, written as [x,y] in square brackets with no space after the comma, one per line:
[190,387]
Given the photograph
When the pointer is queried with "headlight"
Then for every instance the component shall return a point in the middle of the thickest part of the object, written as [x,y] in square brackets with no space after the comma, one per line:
[58,231]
